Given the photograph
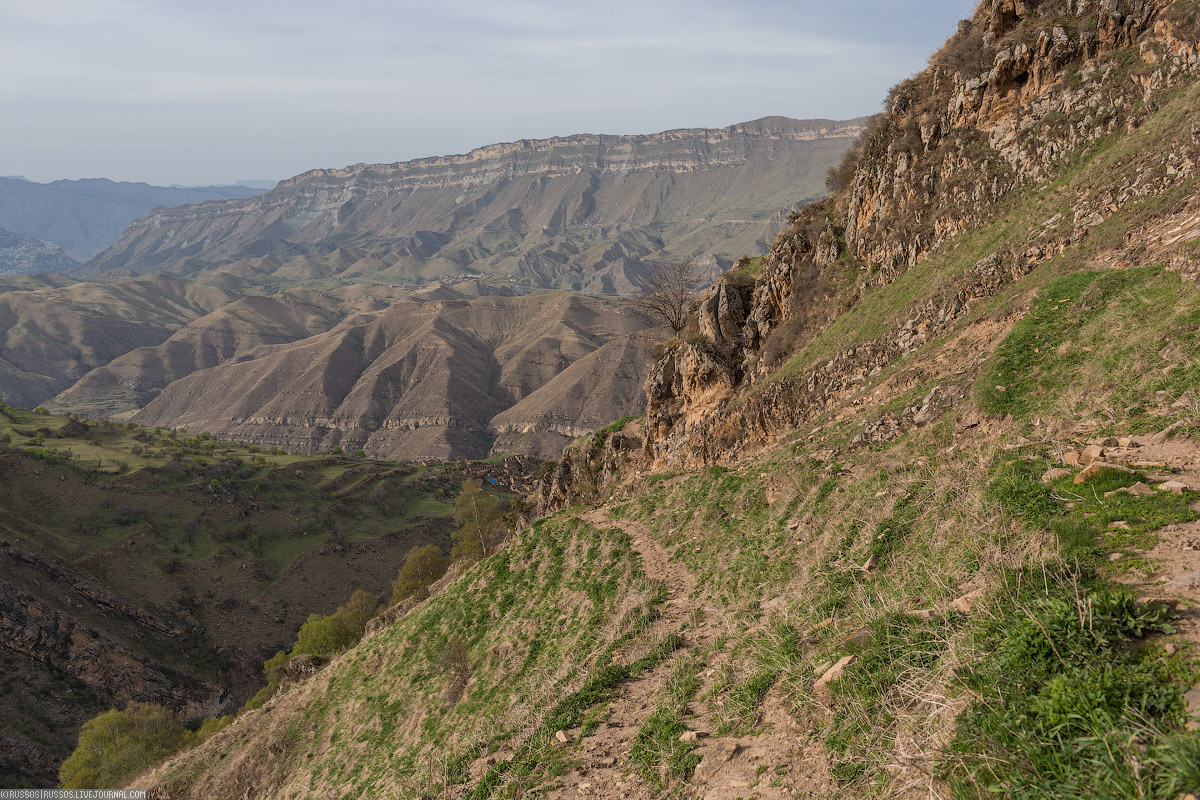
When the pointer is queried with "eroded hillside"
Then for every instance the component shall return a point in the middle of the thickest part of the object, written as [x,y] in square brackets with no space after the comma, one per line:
[443,372]
[433,380]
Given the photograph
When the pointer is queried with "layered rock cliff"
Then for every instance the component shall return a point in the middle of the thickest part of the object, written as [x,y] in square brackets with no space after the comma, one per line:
[578,212]
[77,648]
[992,133]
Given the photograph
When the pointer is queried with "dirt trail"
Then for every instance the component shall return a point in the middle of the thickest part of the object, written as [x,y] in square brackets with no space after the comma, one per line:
[603,758]
[1176,556]
[730,767]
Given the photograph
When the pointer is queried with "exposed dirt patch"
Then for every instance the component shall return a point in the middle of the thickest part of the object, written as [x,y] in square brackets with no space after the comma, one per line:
[1176,556]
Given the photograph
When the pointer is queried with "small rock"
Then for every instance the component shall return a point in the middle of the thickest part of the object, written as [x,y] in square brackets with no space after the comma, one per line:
[871,563]
[821,687]
[1115,556]
[1111,442]
[1139,489]
[1169,602]
[1051,475]
[1192,701]
[562,737]
[1174,487]
[692,736]
[1095,468]
[716,759]
[966,603]
[1071,458]
[922,613]
[859,638]
[1125,441]
[1090,454]
[1120,525]
[1169,648]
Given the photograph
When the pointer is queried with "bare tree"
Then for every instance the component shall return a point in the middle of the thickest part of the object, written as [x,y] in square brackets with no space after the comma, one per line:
[666,293]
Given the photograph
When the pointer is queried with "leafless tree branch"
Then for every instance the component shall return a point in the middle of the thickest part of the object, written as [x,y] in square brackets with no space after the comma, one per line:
[667,292]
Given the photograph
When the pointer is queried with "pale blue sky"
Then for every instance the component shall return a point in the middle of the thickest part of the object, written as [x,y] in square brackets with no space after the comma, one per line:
[213,91]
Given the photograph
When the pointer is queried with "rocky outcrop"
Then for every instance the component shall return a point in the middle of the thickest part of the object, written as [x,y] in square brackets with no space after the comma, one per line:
[71,648]
[1021,88]
[54,637]
[31,628]
[590,467]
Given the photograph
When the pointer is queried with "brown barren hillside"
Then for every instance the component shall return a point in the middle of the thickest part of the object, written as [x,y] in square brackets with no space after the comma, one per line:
[424,380]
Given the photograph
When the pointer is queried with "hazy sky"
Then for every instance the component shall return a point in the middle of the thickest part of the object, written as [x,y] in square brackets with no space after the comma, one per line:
[213,91]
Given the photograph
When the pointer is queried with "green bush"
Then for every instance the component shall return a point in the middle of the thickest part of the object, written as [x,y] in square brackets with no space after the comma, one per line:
[117,745]
[422,566]
[322,636]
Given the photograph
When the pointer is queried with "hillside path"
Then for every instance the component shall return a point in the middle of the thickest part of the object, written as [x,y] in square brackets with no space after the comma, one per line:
[603,768]
[732,766]
[1176,555]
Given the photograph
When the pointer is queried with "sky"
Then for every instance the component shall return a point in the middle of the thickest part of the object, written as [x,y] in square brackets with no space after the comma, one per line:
[201,92]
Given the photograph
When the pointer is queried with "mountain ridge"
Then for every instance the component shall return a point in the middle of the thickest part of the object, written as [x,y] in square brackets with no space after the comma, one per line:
[531,209]
[87,215]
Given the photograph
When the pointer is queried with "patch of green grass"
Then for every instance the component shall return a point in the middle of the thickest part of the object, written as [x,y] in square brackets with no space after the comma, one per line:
[1126,338]
[890,533]
[1084,532]
[1066,706]
[657,753]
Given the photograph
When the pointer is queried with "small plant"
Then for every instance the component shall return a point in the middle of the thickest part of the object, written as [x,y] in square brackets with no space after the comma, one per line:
[1066,703]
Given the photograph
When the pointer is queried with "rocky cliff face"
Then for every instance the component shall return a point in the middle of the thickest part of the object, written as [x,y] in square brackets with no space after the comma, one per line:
[71,639]
[578,212]
[1013,101]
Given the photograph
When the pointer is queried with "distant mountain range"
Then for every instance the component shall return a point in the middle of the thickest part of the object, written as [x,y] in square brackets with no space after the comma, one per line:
[585,213]
[22,255]
[85,216]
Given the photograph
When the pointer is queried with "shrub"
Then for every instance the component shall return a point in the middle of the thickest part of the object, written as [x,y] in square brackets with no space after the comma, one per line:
[1065,700]
[332,634]
[422,566]
[119,744]
[839,177]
